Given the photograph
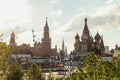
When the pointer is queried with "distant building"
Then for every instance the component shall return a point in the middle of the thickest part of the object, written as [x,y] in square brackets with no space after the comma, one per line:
[116,51]
[87,43]
[107,49]
[42,50]
[63,54]
[108,57]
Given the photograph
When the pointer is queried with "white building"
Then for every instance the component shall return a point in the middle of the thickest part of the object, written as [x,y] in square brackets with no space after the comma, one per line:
[107,49]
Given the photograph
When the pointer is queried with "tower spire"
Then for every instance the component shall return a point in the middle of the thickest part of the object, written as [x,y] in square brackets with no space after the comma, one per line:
[63,45]
[46,40]
[102,45]
[86,27]
[86,31]
[46,24]
[102,40]
[85,21]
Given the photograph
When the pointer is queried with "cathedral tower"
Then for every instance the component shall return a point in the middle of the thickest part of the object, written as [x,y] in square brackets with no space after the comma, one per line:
[86,30]
[88,43]
[85,38]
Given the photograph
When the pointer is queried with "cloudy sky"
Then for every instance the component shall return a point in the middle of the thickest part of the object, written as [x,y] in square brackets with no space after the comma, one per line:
[65,19]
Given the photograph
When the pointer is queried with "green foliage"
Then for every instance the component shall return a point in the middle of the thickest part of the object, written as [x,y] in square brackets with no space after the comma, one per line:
[35,72]
[97,69]
[15,72]
[5,53]
[59,79]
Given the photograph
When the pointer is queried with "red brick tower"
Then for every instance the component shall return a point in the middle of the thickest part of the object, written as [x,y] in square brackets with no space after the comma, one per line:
[12,42]
[46,40]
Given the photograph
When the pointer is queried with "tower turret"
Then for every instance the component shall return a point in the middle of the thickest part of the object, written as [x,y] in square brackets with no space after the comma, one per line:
[85,38]
[12,42]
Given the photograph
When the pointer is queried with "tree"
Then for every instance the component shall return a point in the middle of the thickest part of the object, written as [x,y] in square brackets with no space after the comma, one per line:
[15,72]
[35,72]
[95,68]
[116,68]
[5,53]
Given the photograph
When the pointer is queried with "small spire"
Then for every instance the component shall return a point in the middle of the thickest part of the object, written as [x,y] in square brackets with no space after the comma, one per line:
[12,33]
[86,30]
[97,32]
[46,22]
[85,20]
[63,45]
[77,36]
[102,39]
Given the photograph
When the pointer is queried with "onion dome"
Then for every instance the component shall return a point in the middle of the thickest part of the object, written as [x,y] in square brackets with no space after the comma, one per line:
[77,36]
[97,36]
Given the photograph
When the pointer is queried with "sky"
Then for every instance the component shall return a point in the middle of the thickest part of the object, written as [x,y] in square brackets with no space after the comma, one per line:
[65,19]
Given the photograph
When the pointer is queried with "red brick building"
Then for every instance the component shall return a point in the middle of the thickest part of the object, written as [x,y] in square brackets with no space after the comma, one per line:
[43,49]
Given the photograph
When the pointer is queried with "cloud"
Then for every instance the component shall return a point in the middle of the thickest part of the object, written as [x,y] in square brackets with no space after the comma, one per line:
[55,1]
[106,17]
[57,13]
[13,15]
[13,10]
[44,8]
[101,17]
[109,1]
[73,25]
[17,30]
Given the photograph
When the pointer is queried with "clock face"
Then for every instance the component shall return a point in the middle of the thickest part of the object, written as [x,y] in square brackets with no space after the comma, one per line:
[45,35]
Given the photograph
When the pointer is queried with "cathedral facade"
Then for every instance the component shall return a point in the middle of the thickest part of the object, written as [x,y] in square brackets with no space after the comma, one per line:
[87,43]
